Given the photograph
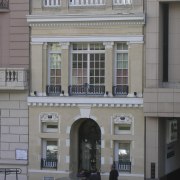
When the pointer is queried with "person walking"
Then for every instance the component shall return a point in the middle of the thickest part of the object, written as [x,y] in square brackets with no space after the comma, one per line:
[113,175]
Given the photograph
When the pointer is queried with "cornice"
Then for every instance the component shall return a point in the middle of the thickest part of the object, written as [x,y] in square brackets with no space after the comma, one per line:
[85,101]
[85,20]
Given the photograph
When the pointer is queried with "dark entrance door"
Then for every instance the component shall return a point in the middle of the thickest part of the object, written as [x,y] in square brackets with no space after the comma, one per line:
[89,146]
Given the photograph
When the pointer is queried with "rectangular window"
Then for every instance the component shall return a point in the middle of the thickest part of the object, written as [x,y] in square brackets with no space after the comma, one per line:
[121,69]
[54,69]
[49,127]
[88,68]
[122,128]
[49,153]
[122,155]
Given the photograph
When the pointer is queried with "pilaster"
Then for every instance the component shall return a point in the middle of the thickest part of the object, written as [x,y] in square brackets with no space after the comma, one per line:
[109,64]
[64,67]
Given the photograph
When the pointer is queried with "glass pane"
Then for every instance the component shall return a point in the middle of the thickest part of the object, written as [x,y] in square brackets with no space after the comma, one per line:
[124,151]
[125,72]
[102,65]
[51,150]
[91,72]
[58,72]
[102,72]
[119,57]
[74,72]
[91,57]
[96,57]
[96,72]
[125,56]
[91,64]
[101,80]
[84,72]
[119,72]
[52,72]
[52,81]
[125,46]
[58,81]
[91,80]
[102,57]
[97,65]
[125,64]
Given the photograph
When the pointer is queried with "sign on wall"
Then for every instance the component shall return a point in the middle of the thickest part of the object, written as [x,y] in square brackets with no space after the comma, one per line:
[172,131]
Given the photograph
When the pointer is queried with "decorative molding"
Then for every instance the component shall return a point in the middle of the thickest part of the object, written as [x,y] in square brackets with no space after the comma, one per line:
[66,39]
[49,116]
[85,101]
[85,20]
[123,119]
[108,44]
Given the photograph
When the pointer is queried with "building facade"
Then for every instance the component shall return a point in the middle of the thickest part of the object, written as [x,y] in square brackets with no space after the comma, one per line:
[85,102]
[14,64]
[161,93]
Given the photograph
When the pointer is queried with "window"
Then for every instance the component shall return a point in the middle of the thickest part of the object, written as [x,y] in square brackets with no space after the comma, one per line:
[52,3]
[121,70]
[122,128]
[49,153]
[122,155]
[88,68]
[54,69]
[49,126]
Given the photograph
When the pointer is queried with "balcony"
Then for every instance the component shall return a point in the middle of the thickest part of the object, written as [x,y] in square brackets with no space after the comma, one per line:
[86,2]
[53,90]
[13,78]
[87,89]
[123,166]
[120,90]
[49,163]
[52,3]
[122,2]
[4,4]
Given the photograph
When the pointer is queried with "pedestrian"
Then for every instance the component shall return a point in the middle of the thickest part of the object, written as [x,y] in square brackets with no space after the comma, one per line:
[113,175]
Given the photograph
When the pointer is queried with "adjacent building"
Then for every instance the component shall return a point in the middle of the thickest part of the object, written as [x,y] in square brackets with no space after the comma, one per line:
[14,65]
[86,85]
[162,88]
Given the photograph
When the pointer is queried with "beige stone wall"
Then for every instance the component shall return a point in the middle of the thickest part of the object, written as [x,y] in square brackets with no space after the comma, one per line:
[13,131]
[103,117]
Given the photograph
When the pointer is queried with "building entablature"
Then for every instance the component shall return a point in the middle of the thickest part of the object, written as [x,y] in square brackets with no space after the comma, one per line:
[85,101]
[84,20]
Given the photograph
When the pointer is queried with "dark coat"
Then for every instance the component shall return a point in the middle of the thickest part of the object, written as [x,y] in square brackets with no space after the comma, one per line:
[113,175]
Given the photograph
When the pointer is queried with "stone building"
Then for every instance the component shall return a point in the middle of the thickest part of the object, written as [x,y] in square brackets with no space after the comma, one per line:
[14,64]
[86,83]
[162,89]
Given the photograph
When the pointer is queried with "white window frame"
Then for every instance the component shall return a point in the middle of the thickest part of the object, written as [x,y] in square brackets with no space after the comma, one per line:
[88,52]
[44,147]
[116,53]
[49,62]
[116,149]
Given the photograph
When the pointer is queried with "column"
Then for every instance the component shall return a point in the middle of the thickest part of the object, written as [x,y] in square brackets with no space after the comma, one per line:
[36,68]
[135,68]
[109,67]
[44,69]
[65,67]
[109,4]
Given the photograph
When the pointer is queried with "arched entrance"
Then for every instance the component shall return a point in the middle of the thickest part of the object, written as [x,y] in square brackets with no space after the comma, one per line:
[85,146]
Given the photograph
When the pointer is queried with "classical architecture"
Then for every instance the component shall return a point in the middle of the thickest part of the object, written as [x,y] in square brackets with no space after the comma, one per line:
[14,65]
[162,88]
[86,84]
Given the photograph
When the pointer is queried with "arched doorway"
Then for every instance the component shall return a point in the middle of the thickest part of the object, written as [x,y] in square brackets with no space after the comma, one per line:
[85,146]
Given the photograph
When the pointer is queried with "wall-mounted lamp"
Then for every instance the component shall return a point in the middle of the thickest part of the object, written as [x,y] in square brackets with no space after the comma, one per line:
[135,93]
[62,92]
[35,93]
[107,93]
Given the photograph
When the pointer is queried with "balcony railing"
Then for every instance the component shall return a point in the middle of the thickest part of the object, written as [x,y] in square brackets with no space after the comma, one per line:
[51,3]
[86,2]
[53,90]
[4,4]
[123,166]
[122,2]
[86,90]
[13,78]
[120,90]
[49,163]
